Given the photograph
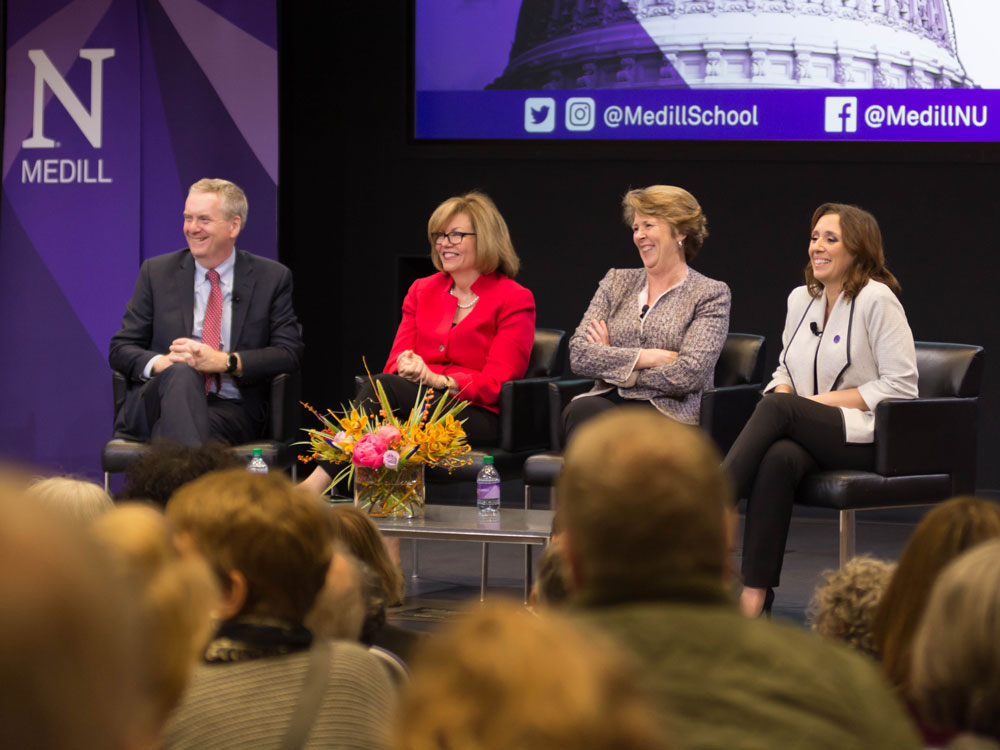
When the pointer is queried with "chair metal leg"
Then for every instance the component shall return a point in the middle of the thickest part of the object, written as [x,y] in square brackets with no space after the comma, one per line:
[486,572]
[415,561]
[107,482]
[846,536]
[295,472]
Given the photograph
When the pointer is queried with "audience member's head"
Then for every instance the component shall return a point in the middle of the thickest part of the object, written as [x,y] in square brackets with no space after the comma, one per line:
[643,501]
[167,466]
[68,638]
[79,499]
[945,532]
[175,594]
[268,543]
[339,610]
[355,529]
[551,587]
[844,603]
[501,678]
[956,648]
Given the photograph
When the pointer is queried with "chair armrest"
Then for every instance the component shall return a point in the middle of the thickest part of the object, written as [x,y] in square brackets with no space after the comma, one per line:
[724,412]
[286,412]
[561,392]
[524,414]
[928,436]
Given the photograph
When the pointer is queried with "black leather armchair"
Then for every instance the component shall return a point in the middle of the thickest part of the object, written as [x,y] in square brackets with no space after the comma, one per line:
[724,408]
[282,429]
[925,448]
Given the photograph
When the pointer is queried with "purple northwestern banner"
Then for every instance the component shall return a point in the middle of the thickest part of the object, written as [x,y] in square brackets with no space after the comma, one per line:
[744,115]
[112,108]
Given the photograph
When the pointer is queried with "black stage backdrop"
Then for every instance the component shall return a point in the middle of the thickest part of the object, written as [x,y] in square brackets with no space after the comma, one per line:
[356,191]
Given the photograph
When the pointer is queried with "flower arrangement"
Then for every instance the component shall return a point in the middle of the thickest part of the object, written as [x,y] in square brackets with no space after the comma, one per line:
[380,452]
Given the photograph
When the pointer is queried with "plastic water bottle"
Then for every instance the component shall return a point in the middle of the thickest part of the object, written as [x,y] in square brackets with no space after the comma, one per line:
[257,465]
[488,488]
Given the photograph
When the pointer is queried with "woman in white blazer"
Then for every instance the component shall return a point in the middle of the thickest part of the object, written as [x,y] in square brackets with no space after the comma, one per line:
[846,347]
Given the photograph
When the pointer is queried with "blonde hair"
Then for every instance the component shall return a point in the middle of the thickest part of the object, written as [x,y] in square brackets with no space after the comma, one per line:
[231,196]
[79,499]
[494,250]
[501,678]
[843,605]
[274,534]
[175,594]
[358,532]
[956,654]
[674,205]
[631,463]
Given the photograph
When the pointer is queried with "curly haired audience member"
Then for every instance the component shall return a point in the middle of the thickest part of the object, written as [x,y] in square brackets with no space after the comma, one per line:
[844,604]
[167,466]
[500,678]
[956,654]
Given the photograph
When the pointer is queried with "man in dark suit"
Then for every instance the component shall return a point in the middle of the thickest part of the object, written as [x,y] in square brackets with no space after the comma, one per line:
[205,330]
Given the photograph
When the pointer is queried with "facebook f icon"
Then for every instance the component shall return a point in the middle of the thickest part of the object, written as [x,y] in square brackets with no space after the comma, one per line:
[841,114]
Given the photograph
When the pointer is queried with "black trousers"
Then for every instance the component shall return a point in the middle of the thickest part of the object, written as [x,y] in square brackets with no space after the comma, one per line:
[787,437]
[579,410]
[481,425]
[173,406]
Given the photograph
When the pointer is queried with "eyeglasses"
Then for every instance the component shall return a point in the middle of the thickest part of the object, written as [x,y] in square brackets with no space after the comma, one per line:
[453,237]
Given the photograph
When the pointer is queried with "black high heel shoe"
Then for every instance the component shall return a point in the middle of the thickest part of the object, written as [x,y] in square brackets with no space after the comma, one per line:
[768,603]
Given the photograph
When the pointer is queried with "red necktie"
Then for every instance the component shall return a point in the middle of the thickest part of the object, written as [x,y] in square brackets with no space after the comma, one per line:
[211,330]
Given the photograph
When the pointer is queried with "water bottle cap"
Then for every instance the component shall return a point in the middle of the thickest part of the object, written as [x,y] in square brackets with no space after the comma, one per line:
[258,453]
[487,459]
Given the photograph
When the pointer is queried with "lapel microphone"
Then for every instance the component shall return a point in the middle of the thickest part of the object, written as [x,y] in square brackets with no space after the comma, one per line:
[645,309]
[815,329]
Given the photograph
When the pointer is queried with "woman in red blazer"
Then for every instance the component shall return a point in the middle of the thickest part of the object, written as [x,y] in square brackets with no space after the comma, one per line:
[467,329]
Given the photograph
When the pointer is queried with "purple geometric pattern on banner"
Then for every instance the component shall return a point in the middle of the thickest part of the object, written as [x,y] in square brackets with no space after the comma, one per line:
[242,69]
[56,390]
[254,18]
[62,36]
[31,15]
[206,142]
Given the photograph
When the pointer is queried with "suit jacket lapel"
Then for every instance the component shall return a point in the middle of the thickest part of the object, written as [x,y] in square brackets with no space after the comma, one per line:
[184,292]
[243,282]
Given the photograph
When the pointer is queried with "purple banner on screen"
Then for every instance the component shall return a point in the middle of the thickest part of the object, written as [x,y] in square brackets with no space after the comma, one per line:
[112,108]
[813,115]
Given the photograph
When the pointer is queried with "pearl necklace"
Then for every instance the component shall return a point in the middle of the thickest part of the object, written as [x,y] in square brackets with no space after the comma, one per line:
[468,304]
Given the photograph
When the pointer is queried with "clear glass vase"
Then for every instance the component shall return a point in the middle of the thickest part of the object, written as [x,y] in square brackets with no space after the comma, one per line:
[390,493]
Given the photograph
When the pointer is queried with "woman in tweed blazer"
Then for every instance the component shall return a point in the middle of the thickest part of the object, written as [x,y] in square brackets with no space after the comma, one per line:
[846,347]
[652,335]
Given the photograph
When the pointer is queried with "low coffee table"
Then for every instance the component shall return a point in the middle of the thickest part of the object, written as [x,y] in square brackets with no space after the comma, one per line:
[464,524]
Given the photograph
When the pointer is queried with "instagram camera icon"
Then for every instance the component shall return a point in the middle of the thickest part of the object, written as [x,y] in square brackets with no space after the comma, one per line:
[580,113]
[841,114]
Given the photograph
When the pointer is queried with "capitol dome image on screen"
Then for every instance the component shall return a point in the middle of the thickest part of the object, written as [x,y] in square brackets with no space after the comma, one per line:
[703,44]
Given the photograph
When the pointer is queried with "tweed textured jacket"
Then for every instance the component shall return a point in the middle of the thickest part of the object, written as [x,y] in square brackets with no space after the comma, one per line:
[691,319]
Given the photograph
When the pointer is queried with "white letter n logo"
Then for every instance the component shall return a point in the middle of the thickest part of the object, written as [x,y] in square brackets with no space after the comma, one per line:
[88,122]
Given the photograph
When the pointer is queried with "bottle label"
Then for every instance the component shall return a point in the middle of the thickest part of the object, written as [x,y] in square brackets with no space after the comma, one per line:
[488,491]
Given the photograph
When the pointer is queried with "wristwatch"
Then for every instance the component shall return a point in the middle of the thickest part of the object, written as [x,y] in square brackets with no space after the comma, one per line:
[232,362]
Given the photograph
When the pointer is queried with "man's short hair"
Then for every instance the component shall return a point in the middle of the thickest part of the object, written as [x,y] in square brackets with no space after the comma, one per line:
[277,536]
[643,499]
[231,195]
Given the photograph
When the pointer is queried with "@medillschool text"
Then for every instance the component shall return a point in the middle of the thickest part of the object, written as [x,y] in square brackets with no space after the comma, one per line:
[680,115]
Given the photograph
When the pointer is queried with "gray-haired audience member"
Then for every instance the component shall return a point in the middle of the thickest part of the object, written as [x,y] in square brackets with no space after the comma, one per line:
[956,651]
[270,546]
[68,638]
[79,499]
[646,509]
[843,605]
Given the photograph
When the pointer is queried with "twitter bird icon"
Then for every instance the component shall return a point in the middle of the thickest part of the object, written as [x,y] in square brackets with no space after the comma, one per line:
[539,114]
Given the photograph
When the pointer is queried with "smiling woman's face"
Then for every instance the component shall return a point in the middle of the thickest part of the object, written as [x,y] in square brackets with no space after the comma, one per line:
[830,259]
[460,256]
[658,242]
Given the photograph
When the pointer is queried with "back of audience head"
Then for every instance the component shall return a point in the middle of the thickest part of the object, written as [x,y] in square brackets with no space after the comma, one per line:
[552,587]
[944,533]
[175,595]
[267,542]
[355,529]
[956,652]
[79,499]
[68,638]
[500,678]
[339,610]
[631,463]
[844,604]
[167,466]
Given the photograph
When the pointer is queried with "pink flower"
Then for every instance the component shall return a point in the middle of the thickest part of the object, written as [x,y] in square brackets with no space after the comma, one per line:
[390,459]
[368,452]
[390,433]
